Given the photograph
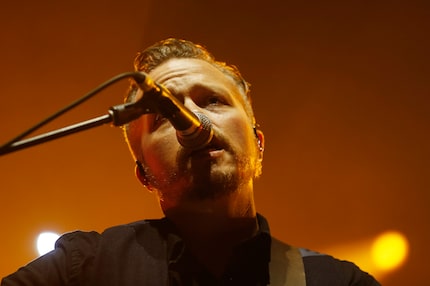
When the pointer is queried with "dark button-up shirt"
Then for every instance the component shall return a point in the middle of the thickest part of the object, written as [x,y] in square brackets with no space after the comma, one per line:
[151,252]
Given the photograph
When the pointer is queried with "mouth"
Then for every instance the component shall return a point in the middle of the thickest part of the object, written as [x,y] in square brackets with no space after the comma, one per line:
[212,153]
[214,149]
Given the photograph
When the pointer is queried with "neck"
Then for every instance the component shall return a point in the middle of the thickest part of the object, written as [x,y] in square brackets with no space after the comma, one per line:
[211,228]
[231,214]
[207,219]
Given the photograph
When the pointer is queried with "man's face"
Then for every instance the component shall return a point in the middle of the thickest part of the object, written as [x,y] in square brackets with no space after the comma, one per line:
[225,165]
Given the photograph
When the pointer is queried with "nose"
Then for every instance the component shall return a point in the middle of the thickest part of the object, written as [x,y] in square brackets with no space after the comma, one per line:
[191,105]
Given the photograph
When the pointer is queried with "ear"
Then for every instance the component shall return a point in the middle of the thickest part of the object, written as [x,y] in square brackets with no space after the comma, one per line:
[141,175]
[260,140]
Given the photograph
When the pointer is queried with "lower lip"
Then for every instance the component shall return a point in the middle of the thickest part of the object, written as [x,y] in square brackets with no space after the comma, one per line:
[208,153]
[216,153]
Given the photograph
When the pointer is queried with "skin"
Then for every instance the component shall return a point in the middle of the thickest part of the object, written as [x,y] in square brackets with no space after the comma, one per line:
[208,193]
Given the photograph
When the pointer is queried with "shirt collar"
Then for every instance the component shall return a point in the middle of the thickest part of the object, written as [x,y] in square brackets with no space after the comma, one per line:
[250,259]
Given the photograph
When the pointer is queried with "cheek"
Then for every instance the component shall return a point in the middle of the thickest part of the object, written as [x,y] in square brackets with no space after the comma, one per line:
[159,151]
[239,130]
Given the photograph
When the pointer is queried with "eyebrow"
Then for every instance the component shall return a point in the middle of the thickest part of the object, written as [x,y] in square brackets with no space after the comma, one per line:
[208,88]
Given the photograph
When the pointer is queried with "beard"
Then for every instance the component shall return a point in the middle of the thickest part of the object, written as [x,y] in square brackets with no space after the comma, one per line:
[213,181]
[196,180]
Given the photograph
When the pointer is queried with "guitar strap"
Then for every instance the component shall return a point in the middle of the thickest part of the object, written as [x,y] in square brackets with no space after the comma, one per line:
[286,265]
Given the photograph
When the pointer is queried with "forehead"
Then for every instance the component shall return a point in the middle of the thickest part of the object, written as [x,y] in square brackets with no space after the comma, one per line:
[182,72]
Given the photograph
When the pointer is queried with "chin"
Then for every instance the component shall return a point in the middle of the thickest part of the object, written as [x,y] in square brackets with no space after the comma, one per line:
[217,186]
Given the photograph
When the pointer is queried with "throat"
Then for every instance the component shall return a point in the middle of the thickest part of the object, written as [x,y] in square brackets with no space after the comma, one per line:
[211,241]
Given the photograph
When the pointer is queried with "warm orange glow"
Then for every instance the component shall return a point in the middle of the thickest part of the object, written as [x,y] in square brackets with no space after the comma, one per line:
[379,255]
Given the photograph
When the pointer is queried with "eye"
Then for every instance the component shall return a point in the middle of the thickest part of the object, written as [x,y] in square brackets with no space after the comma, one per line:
[215,99]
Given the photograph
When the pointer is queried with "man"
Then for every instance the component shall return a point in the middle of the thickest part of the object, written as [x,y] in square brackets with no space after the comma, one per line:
[211,233]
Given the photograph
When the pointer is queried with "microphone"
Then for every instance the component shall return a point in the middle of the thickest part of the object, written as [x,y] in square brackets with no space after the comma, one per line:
[193,129]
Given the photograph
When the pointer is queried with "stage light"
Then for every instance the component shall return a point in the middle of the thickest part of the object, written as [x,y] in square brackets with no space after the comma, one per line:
[379,255]
[389,250]
[46,242]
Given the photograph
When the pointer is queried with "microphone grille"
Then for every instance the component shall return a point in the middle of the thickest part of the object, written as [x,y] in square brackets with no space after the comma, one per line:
[204,120]
[200,137]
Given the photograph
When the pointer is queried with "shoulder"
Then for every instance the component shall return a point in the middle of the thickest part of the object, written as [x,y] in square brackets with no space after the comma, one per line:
[78,254]
[89,241]
[88,252]
[322,267]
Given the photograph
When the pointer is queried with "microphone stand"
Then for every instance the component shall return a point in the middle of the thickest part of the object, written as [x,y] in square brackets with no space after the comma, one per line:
[15,146]
[118,115]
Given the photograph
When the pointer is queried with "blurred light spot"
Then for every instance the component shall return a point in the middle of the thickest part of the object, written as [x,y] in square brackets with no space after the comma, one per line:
[46,242]
[389,250]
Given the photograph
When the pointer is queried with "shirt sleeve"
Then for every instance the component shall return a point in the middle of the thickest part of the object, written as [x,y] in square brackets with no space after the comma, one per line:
[64,266]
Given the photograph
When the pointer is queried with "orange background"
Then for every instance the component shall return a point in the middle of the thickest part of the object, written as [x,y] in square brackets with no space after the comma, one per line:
[341,89]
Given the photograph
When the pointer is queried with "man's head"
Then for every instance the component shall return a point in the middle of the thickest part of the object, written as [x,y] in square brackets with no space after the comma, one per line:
[210,87]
